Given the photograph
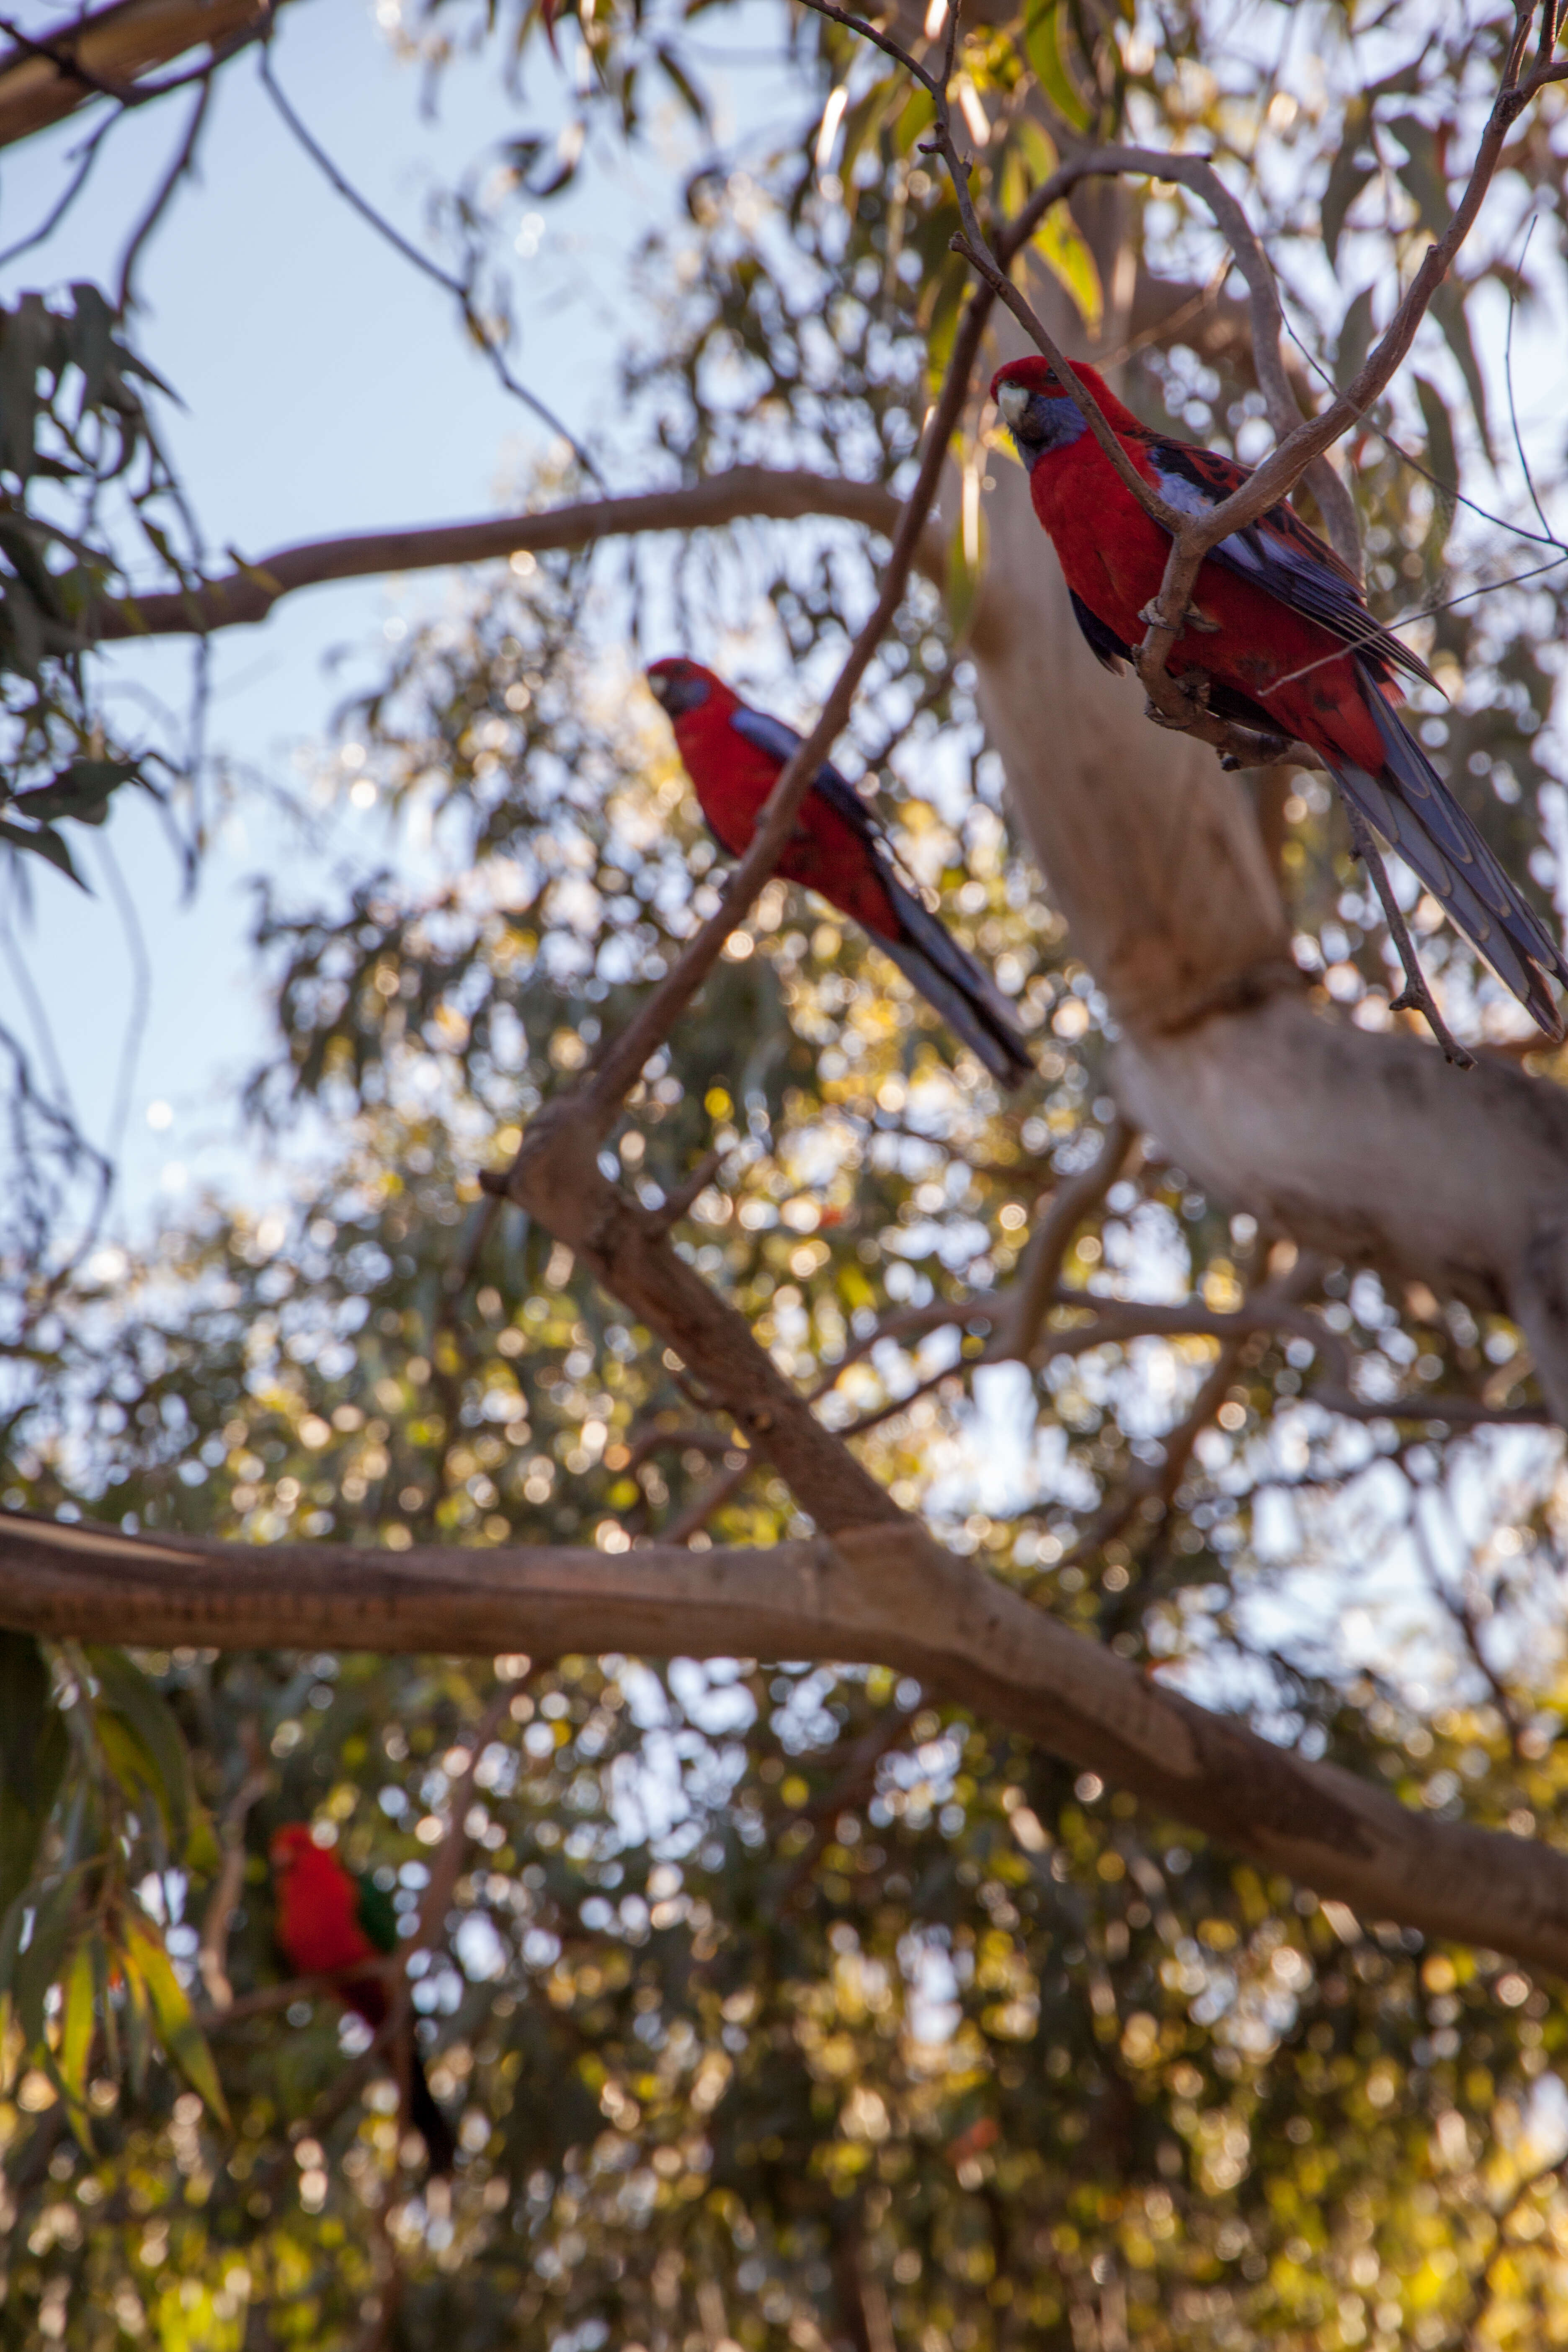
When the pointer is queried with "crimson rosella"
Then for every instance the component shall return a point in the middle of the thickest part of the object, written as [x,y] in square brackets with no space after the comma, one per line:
[733,756]
[1281,631]
[327,1919]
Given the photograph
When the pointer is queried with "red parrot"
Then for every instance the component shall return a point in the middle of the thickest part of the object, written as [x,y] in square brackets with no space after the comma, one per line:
[733,755]
[326,1920]
[1281,631]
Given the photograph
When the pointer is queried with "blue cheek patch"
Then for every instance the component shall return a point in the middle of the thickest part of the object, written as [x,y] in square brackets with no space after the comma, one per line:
[1053,424]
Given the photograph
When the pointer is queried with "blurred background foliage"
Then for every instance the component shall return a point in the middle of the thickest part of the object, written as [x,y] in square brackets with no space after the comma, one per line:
[777,2004]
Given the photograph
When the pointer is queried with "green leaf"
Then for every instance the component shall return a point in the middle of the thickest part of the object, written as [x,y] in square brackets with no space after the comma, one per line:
[1355,337]
[915,119]
[177,2029]
[137,2020]
[39,1967]
[46,844]
[942,303]
[1442,459]
[82,791]
[76,2024]
[690,96]
[1069,260]
[1348,176]
[159,1751]
[1448,310]
[1045,46]
[34,1747]
[1422,173]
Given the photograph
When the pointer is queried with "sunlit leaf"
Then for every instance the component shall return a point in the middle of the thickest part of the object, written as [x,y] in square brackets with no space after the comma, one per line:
[1065,254]
[160,1753]
[178,2028]
[77,2020]
[1048,43]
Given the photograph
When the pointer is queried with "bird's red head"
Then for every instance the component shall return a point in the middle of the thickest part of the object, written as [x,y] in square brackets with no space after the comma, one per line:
[679,686]
[1040,410]
[289,1846]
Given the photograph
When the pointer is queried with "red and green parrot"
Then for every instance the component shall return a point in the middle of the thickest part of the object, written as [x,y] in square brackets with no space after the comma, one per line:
[733,756]
[327,1920]
[1281,630]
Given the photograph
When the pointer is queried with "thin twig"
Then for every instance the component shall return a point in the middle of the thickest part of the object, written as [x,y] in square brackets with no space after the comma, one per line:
[1156,1483]
[1462,1609]
[675,1204]
[212,1953]
[184,158]
[623,1060]
[1028,1301]
[1169,518]
[1193,536]
[1453,1411]
[266,2000]
[895,1405]
[713,1498]
[461,293]
[74,186]
[1415,995]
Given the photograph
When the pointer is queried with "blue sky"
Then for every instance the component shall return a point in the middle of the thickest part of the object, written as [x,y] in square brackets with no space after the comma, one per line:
[327,388]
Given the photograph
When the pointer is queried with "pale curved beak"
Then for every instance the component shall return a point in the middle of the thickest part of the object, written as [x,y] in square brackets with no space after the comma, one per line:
[1013,400]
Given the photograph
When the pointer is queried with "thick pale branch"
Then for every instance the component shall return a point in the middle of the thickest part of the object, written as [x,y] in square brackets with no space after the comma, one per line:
[248,594]
[886,1595]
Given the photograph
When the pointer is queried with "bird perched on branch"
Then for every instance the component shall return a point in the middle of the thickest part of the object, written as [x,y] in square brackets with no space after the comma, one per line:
[329,1920]
[1279,632]
[733,756]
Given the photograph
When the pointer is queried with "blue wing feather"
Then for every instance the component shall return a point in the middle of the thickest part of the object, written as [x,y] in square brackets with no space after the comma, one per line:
[779,740]
[1278,554]
[945,973]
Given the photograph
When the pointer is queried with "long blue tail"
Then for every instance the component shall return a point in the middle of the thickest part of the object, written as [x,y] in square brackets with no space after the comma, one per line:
[1412,808]
[949,979]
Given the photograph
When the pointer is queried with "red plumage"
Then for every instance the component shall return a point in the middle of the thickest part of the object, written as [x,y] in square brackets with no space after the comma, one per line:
[321,1928]
[317,1923]
[733,755]
[1282,634]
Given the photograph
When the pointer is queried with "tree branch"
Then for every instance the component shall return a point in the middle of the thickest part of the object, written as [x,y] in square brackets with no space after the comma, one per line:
[1193,536]
[884,1595]
[1018,1323]
[1416,994]
[47,76]
[248,594]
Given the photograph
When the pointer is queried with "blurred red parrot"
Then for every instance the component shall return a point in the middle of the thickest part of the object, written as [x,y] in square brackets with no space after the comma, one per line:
[326,1920]
[1281,631]
[733,755]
